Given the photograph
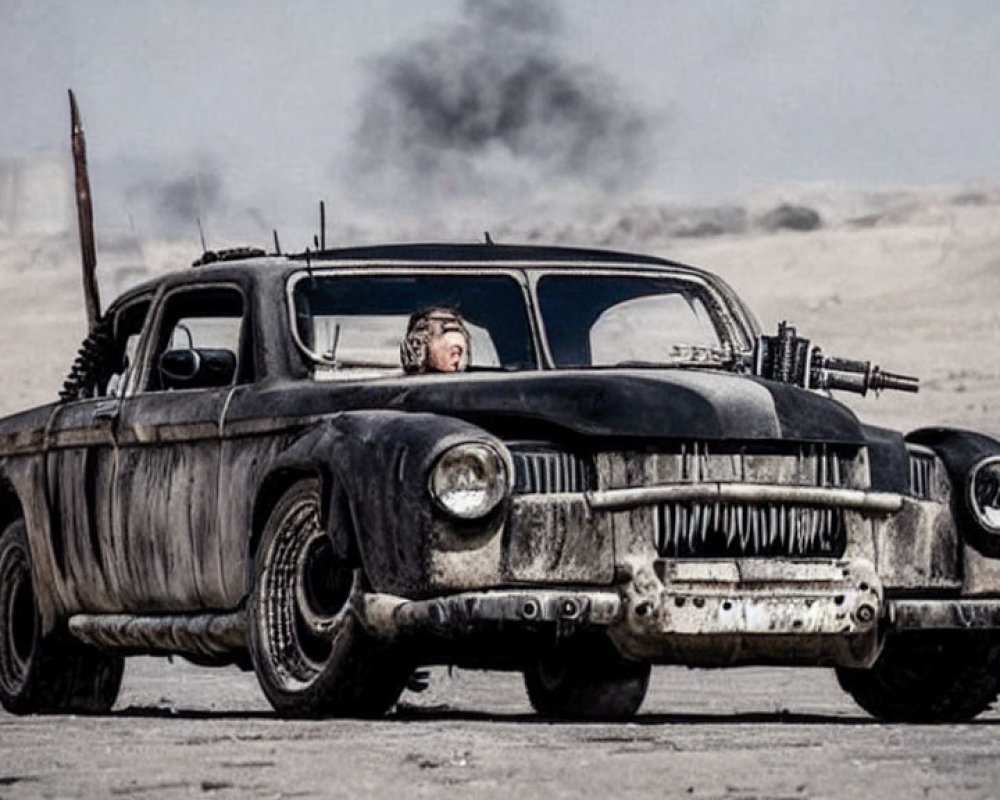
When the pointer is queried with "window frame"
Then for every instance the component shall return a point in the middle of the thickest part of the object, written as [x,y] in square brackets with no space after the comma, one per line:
[513,272]
[738,331]
[245,372]
[150,299]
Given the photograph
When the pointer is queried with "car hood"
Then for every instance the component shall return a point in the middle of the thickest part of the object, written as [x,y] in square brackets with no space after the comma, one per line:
[674,404]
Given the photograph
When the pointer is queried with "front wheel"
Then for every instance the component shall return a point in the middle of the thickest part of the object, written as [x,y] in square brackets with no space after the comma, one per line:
[311,654]
[44,674]
[928,677]
[586,680]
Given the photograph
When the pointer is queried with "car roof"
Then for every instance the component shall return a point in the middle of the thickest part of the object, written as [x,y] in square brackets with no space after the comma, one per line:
[478,253]
[225,267]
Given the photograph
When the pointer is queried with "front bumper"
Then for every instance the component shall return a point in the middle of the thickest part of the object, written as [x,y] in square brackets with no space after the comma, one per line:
[712,613]
[709,613]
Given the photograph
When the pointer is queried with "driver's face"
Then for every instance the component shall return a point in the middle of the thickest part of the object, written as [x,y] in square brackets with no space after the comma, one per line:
[447,352]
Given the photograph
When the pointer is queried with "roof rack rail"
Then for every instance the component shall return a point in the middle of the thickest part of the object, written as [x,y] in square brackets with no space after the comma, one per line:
[232,254]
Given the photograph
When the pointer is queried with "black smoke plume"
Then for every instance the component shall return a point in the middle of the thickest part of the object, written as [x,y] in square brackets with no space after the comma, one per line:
[490,106]
[167,202]
[186,197]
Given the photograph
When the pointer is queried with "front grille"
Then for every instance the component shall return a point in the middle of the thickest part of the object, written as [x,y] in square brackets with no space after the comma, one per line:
[542,471]
[691,529]
[719,530]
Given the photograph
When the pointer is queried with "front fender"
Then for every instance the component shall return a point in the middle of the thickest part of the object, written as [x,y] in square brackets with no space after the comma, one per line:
[374,467]
[959,450]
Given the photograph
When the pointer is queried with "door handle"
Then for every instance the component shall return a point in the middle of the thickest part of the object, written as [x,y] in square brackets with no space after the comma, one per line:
[108,410]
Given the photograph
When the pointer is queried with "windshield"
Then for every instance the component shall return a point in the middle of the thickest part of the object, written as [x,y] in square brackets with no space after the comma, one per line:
[352,322]
[608,320]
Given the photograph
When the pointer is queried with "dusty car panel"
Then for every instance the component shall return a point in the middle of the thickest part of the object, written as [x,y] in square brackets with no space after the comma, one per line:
[238,470]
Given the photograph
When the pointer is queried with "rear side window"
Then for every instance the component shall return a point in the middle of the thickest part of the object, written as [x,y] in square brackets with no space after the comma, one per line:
[128,327]
[108,354]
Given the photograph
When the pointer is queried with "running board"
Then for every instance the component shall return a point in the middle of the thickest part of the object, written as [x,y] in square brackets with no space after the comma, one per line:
[195,634]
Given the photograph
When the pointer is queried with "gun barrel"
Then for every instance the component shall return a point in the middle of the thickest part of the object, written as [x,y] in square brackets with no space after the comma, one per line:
[861,383]
[845,364]
[842,381]
[890,380]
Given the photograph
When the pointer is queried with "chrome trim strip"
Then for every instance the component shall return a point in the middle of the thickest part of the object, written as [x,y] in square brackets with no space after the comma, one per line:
[855,499]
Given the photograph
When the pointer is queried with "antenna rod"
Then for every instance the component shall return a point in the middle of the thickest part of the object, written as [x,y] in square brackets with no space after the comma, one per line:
[309,267]
[322,225]
[84,215]
[277,244]
[201,235]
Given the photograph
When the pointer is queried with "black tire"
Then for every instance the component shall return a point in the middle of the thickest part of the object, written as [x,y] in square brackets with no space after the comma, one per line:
[312,656]
[45,675]
[941,676]
[586,680]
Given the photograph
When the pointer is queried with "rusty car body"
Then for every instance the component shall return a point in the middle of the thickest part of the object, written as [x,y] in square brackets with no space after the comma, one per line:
[629,474]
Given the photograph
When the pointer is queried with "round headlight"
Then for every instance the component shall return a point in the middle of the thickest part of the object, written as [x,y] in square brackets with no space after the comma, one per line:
[469,480]
[984,493]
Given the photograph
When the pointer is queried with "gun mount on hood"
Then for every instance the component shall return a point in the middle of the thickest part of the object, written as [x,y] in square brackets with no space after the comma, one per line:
[788,358]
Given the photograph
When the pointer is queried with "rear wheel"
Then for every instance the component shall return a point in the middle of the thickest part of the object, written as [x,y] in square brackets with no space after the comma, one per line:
[310,652]
[44,674]
[928,677]
[586,680]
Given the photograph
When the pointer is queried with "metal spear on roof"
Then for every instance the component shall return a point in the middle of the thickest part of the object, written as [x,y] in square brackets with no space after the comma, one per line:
[84,215]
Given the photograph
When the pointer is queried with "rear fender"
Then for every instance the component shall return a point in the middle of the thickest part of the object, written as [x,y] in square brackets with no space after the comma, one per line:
[20,500]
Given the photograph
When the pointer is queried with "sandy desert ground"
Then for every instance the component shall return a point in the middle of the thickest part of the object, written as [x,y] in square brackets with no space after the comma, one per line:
[746,734]
[908,279]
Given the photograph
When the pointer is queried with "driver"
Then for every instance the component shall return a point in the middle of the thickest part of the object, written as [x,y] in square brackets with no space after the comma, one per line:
[436,341]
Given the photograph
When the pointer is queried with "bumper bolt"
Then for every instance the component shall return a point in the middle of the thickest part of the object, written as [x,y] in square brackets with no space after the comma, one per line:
[865,614]
[569,609]
[529,609]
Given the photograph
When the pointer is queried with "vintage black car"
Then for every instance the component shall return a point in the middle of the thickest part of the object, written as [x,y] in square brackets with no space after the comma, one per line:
[628,474]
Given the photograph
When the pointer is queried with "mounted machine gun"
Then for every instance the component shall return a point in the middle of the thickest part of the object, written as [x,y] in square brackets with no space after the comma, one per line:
[788,358]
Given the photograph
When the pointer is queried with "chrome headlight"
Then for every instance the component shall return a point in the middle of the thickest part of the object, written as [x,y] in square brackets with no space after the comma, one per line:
[984,493]
[469,480]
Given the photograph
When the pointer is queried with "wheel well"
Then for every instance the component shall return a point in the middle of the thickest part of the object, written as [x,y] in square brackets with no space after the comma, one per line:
[10,504]
[279,482]
[271,490]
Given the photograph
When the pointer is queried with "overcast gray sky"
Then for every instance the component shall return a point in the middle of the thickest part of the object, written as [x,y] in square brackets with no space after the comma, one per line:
[286,100]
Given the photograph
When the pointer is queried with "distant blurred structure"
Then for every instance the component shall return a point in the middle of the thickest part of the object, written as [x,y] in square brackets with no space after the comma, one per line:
[36,194]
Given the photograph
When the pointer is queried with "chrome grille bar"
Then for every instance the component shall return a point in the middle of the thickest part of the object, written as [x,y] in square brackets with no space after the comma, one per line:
[753,493]
[921,474]
[549,472]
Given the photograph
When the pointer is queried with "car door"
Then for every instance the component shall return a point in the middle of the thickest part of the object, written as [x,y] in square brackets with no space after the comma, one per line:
[168,441]
[80,462]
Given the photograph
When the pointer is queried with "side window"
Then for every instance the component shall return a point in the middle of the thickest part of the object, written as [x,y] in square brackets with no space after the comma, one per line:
[128,327]
[107,353]
[201,341]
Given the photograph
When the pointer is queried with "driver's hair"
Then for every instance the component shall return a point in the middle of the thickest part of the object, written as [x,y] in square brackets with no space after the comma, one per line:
[422,327]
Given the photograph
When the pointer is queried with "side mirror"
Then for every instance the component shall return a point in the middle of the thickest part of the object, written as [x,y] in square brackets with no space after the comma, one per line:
[197,368]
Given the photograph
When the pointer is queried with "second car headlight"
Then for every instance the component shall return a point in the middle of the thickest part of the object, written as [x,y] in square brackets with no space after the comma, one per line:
[469,480]
[984,493]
